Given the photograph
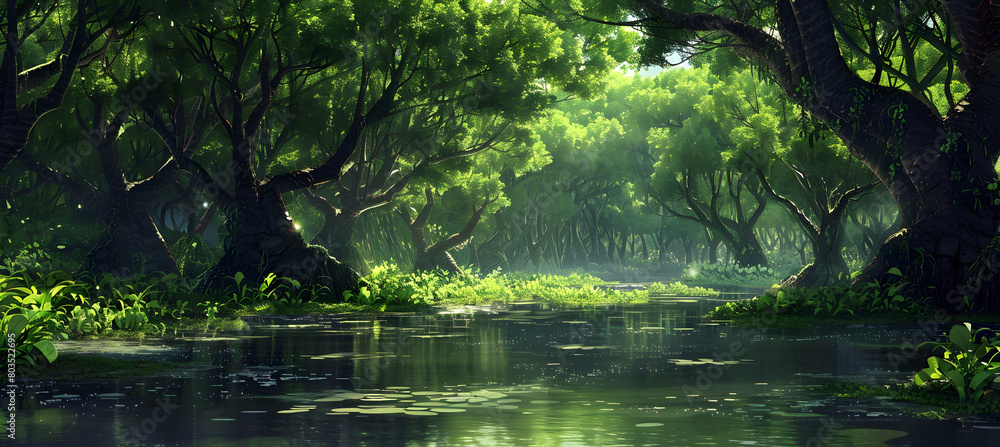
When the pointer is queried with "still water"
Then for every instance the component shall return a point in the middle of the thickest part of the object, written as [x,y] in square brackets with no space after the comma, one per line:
[653,374]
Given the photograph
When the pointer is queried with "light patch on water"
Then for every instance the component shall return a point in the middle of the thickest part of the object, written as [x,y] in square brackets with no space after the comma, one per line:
[871,436]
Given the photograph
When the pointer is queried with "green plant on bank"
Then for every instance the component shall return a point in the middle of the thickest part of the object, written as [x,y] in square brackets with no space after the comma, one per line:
[965,365]
[363,296]
[269,289]
[388,285]
[32,307]
[210,308]
[180,307]
[38,308]
[679,289]
[86,320]
[32,333]
[873,298]
[720,273]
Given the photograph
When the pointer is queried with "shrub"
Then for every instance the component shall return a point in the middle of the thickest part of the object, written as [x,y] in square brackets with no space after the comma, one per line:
[838,301]
[388,285]
[720,273]
[676,288]
[964,365]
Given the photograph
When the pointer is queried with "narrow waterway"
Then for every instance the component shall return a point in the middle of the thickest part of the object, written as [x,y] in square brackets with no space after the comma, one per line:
[653,374]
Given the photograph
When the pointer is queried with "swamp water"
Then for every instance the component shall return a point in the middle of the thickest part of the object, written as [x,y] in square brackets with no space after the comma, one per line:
[652,374]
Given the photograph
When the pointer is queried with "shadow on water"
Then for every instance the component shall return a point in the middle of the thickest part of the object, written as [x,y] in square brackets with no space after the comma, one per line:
[651,374]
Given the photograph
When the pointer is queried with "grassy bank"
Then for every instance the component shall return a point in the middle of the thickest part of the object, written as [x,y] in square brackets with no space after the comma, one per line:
[789,308]
[39,308]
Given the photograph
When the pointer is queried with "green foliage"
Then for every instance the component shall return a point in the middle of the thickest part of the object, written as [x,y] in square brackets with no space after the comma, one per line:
[363,296]
[928,394]
[390,286]
[965,366]
[210,308]
[32,333]
[679,289]
[838,301]
[719,273]
[271,288]
[39,308]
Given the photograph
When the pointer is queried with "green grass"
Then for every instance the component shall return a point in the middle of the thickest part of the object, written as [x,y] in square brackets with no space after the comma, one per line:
[43,307]
[932,395]
[389,285]
[676,288]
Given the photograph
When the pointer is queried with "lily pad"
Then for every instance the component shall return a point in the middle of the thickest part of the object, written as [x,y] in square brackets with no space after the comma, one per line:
[382,410]
[448,410]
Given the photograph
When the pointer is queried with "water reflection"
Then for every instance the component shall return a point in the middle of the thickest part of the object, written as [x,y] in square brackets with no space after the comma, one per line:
[653,374]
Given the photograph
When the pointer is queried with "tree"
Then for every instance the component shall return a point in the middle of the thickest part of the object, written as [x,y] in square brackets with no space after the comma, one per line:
[74,35]
[793,165]
[450,120]
[938,168]
[694,170]
[400,61]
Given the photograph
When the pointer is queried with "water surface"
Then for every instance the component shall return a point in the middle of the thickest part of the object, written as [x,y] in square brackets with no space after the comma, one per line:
[653,374]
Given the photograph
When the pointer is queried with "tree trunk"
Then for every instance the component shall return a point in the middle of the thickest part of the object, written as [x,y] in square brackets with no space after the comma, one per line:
[425,261]
[429,257]
[336,236]
[939,170]
[338,231]
[261,239]
[205,219]
[829,266]
[713,249]
[622,247]
[130,243]
[645,247]
[688,249]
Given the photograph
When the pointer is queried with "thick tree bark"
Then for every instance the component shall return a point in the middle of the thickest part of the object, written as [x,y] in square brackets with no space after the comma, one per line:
[130,243]
[828,266]
[338,230]
[746,249]
[948,161]
[261,239]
